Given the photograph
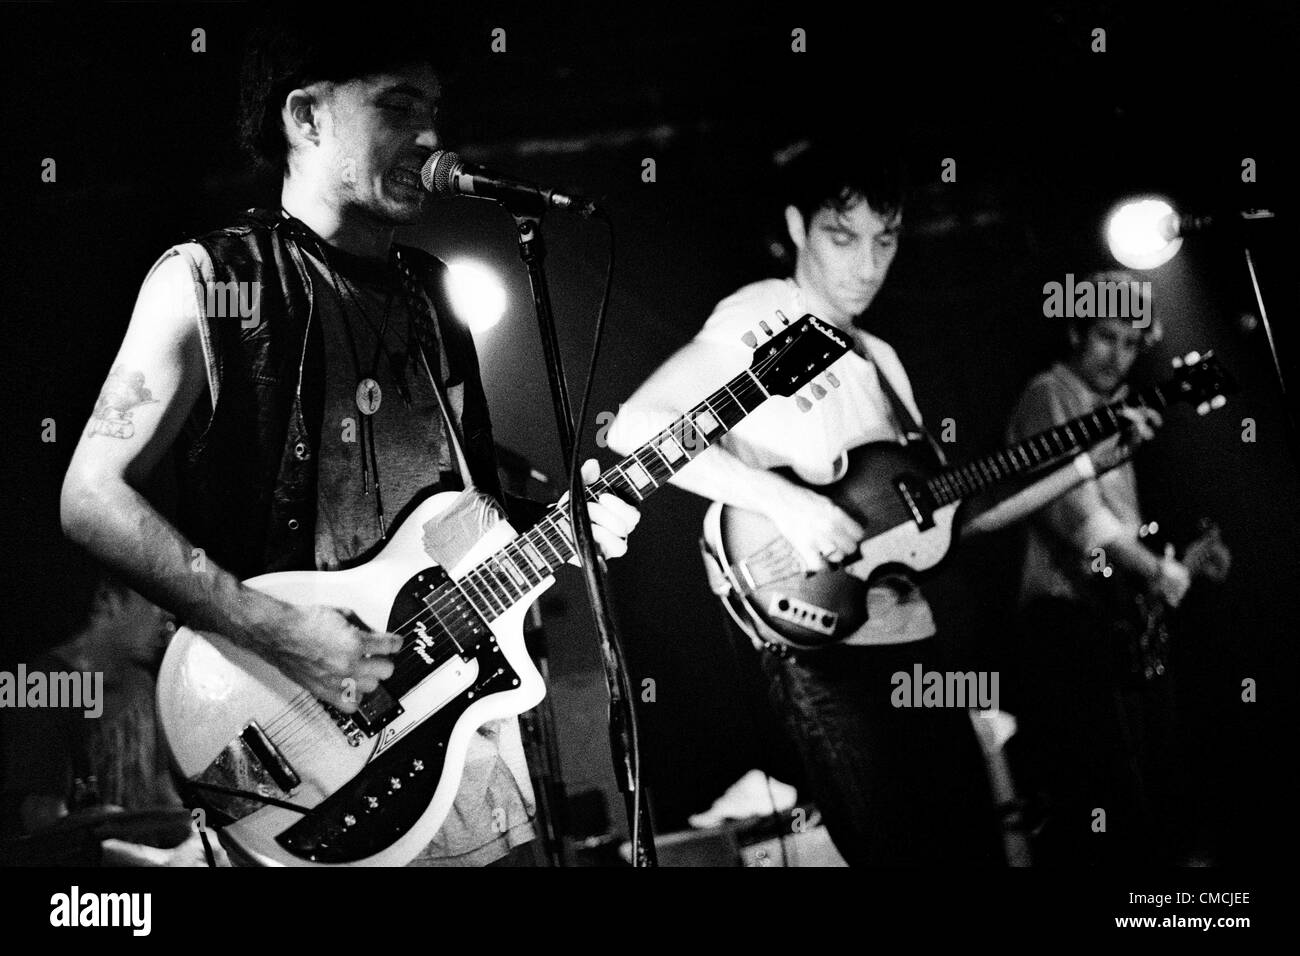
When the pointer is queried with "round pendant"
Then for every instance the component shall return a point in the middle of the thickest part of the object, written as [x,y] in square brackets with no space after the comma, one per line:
[369,396]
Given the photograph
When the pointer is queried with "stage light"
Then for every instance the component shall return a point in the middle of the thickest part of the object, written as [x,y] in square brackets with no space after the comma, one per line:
[477,293]
[1140,233]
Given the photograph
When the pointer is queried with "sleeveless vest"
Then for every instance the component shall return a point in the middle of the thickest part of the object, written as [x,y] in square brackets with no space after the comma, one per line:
[247,474]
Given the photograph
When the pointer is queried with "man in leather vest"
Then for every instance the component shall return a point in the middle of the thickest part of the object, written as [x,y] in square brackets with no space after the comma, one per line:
[305,375]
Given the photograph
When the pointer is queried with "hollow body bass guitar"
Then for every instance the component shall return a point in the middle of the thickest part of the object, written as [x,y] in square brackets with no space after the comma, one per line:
[909,506]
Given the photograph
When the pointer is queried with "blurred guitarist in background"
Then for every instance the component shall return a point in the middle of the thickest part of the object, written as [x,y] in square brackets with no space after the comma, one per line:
[894,785]
[1096,718]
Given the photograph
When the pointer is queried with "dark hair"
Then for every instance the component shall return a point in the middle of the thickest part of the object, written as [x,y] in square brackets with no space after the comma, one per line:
[290,50]
[838,175]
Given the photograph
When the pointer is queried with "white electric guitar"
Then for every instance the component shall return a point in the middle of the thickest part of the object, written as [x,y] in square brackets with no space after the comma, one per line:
[292,781]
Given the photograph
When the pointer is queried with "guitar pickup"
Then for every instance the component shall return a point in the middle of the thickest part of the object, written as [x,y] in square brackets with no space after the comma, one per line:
[376,711]
[802,614]
[914,498]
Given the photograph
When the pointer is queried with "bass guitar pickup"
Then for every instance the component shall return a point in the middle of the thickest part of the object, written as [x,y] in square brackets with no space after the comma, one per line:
[917,502]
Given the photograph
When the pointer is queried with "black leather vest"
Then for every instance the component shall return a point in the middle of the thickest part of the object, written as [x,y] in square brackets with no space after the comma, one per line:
[247,474]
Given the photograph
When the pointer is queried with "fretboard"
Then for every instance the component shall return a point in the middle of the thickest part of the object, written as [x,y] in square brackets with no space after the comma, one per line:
[1045,448]
[499,582]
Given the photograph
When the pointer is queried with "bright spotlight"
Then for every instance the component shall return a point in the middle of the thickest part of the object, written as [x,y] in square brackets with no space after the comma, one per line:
[1139,233]
[477,293]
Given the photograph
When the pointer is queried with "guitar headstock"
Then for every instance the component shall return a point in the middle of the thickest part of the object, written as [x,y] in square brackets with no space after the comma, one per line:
[1201,381]
[794,355]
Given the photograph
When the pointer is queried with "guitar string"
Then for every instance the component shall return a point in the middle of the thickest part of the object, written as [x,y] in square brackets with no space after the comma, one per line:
[550,534]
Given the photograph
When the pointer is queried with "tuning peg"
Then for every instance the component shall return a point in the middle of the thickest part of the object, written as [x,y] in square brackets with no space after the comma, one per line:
[1176,361]
[1193,358]
[818,392]
[750,339]
[803,404]
[784,319]
[830,377]
[767,329]
[1218,401]
[1203,408]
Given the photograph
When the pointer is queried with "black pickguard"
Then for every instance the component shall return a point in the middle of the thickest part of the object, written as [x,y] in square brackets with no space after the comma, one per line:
[380,812]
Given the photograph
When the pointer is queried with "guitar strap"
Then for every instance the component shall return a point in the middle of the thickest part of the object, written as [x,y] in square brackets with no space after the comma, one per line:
[912,430]
[426,337]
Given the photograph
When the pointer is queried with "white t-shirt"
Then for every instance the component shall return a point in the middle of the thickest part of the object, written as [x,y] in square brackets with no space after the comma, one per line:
[811,443]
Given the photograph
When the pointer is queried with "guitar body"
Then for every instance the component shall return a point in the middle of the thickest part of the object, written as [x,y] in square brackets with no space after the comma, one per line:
[372,799]
[807,611]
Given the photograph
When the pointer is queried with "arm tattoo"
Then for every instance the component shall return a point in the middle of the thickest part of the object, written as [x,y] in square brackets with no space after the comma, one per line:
[122,393]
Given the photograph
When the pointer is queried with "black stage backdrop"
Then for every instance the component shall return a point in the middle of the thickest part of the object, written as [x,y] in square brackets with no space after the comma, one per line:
[1046,135]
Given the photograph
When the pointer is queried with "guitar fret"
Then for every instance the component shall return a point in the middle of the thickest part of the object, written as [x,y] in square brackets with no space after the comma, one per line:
[635,476]
[566,532]
[481,599]
[490,587]
[503,580]
[559,559]
[514,573]
[706,421]
[533,557]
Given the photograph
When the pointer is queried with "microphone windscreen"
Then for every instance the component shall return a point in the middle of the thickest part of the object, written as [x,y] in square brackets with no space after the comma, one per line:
[438,171]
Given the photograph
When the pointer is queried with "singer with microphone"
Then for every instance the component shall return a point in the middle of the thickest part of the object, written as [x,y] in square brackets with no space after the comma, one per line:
[304,425]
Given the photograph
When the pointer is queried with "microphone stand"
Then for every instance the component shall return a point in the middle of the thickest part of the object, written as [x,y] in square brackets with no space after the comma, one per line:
[1272,346]
[533,253]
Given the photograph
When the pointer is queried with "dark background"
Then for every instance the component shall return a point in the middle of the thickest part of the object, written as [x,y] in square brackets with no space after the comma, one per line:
[1047,135]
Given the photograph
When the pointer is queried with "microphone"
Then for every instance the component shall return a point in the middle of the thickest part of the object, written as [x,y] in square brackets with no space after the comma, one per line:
[1174,226]
[446,174]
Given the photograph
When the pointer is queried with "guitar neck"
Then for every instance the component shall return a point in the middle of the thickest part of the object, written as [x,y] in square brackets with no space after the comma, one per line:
[1046,447]
[502,580]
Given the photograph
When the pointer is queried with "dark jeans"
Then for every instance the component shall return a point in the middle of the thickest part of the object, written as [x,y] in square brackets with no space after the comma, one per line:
[1092,739]
[895,785]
